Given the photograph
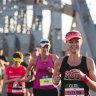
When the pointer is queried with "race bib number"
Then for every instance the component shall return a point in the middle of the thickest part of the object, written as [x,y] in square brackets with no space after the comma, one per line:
[16,91]
[73,90]
[46,81]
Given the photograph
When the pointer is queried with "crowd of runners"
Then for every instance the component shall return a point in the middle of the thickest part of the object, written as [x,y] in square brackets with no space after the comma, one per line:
[40,73]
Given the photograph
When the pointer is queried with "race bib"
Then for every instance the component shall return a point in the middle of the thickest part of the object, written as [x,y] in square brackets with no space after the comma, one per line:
[16,88]
[73,90]
[16,91]
[46,81]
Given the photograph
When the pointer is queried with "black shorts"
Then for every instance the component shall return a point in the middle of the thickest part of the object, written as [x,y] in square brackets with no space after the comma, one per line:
[10,94]
[49,92]
[29,84]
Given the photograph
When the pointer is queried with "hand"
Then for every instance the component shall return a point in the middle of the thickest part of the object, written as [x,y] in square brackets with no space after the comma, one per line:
[51,70]
[56,79]
[16,79]
[77,72]
[15,84]
[28,78]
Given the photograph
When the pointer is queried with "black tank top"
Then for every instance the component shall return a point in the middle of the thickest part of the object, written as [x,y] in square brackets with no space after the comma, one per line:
[72,84]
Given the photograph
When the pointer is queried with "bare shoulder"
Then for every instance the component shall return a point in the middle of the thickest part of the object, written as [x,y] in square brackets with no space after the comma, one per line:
[54,57]
[33,61]
[58,61]
[90,62]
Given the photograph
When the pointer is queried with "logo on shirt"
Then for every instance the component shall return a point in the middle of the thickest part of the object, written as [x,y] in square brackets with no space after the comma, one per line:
[70,76]
[10,72]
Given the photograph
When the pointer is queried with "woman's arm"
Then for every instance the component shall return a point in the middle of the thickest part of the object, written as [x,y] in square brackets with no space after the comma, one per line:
[54,58]
[29,68]
[92,74]
[56,75]
[6,81]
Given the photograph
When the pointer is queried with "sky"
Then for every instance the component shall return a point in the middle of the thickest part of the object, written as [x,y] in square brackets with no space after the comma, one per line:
[92,9]
[91,6]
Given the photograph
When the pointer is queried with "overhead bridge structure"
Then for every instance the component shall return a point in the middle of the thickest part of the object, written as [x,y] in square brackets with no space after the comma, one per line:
[23,23]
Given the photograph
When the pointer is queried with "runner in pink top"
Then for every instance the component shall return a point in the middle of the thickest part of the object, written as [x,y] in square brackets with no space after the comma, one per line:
[44,64]
[43,73]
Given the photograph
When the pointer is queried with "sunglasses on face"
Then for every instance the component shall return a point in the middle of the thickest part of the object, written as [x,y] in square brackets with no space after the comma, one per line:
[44,42]
[46,46]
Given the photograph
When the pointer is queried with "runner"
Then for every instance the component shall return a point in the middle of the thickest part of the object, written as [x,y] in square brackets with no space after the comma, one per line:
[44,65]
[2,67]
[77,71]
[29,83]
[3,64]
[35,52]
[15,76]
[4,58]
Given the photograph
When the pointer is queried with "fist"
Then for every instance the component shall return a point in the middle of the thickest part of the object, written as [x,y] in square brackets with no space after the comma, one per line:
[56,79]
[51,70]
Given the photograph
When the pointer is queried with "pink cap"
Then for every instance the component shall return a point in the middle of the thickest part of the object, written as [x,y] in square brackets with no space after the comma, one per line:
[72,34]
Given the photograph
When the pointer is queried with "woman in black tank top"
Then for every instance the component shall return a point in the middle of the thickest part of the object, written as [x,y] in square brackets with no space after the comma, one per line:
[74,70]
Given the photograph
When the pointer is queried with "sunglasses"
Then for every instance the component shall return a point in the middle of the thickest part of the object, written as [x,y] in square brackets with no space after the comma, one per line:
[44,42]
[46,46]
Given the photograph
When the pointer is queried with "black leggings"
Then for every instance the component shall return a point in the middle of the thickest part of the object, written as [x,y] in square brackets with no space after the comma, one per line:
[49,92]
[10,94]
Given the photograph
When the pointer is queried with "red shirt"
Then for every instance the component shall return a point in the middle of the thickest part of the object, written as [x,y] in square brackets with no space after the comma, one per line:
[13,73]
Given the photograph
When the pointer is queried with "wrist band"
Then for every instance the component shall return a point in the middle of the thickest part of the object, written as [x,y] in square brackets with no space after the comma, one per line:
[85,79]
